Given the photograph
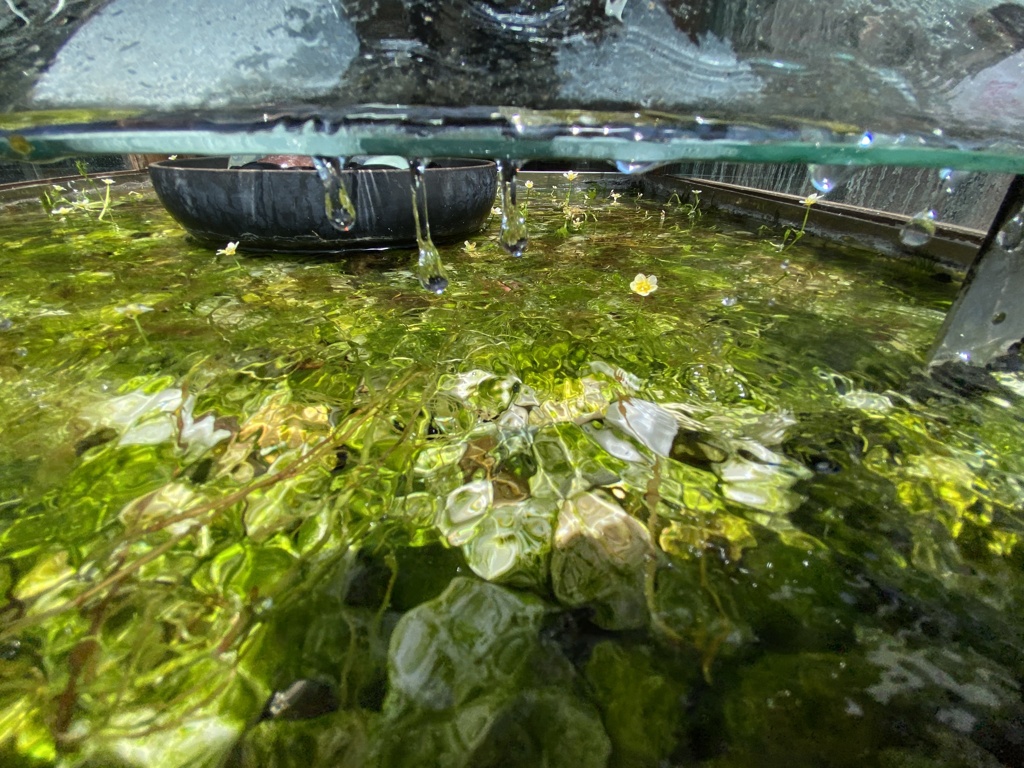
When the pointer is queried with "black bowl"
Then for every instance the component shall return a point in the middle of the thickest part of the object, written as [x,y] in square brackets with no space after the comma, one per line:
[283,208]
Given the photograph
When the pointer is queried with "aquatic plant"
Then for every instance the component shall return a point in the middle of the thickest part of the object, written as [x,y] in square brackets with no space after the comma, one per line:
[323,517]
[57,202]
[791,236]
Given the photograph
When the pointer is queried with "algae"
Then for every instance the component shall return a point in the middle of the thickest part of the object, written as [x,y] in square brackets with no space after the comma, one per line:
[538,519]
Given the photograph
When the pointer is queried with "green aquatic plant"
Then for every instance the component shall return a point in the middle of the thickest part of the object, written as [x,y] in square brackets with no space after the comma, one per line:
[57,202]
[791,236]
[323,517]
[691,210]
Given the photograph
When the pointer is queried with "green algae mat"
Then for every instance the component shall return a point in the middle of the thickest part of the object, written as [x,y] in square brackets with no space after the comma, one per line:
[662,492]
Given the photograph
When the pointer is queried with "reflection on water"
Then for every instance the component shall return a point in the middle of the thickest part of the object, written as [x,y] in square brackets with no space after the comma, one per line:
[289,510]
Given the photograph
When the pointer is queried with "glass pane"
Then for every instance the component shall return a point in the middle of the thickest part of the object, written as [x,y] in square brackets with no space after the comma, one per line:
[927,82]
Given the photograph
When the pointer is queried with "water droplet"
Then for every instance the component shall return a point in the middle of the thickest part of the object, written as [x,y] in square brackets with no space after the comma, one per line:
[729,301]
[866,139]
[513,237]
[964,355]
[1011,235]
[429,268]
[952,180]
[919,229]
[826,178]
[337,204]
[631,167]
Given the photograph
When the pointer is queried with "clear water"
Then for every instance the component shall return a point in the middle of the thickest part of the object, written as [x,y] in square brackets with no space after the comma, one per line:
[277,510]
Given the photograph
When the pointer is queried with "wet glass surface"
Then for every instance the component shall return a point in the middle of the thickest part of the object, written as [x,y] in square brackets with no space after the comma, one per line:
[934,83]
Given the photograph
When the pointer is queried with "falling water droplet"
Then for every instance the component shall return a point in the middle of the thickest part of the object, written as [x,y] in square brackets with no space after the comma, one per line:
[826,178]
[513,237]
[919,229]
[1011,235]
[632,167]
[337,204]
[429,269]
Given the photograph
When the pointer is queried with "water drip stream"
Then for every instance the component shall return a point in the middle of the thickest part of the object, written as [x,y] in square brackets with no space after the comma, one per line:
[429,268]
[513,236]
[337,204]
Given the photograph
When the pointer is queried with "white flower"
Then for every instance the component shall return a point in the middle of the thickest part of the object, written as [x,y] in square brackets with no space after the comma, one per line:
[811,199]
[133,310]
[644,284]
[228,250]
[528,185]
[571,175]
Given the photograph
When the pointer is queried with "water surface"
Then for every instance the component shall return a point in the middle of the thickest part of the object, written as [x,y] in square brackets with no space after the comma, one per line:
[265,510]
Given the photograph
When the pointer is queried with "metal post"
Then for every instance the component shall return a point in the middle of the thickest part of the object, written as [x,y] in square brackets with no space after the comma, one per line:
[988,314]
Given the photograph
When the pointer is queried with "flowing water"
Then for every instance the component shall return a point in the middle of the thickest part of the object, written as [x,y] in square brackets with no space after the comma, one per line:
[429,269]
[290,510]
[340,209]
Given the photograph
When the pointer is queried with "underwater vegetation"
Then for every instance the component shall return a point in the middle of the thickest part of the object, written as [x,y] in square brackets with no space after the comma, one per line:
[652,494]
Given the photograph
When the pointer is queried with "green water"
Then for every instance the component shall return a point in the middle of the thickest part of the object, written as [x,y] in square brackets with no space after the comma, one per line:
[537,520]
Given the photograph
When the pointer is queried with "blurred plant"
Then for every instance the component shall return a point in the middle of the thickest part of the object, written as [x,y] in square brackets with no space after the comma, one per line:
[133,311]
[57,203]
[691,210]
[791,236]
[575,214]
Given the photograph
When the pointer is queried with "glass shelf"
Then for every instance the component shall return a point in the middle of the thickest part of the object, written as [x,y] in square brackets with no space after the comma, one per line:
[931,83]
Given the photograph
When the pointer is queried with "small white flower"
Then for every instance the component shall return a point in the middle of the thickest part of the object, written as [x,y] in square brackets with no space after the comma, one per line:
[570,175]
[228,250]
[528,185]
[644,285]
[133,310]
[811,199]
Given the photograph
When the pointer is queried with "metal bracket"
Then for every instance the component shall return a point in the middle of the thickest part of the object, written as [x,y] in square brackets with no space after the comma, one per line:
[988,314]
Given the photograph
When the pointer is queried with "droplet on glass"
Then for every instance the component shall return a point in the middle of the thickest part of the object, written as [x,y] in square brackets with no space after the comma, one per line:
[952,181]
[826,178]
[1011,235]
[919,229]
[632,167]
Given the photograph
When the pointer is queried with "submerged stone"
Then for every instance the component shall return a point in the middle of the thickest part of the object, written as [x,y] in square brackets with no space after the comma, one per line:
[599,560]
